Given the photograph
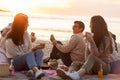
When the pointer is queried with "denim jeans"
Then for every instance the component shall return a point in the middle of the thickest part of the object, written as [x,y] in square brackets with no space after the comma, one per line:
[27,61]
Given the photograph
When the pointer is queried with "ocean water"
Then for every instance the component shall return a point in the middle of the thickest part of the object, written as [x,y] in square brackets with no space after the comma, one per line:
[60,25]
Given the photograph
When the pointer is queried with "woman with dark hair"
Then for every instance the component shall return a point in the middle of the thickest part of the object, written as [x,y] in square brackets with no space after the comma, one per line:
[19,47]
[99,49]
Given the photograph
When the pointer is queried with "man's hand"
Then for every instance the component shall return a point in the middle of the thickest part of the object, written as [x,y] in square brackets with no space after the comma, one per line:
[52,38]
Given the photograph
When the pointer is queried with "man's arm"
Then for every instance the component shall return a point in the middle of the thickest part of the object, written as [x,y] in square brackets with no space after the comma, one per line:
[68,47]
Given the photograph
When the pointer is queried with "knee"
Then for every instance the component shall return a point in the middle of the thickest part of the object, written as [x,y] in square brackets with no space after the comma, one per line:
[39,51]
[91,57]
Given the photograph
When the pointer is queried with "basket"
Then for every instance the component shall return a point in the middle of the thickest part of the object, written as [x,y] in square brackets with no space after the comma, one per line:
[4,69]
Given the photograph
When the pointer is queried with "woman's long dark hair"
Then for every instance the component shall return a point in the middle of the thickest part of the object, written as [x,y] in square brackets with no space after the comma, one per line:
[99,28]
[18,28]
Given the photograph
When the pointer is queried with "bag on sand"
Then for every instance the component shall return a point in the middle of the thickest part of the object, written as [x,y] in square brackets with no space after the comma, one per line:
[3,58]
[4,66]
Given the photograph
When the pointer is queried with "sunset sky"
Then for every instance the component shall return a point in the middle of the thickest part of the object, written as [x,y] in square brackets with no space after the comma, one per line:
[108,8]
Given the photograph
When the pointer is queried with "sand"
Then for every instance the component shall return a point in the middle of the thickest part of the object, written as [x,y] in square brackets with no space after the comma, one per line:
[47,50]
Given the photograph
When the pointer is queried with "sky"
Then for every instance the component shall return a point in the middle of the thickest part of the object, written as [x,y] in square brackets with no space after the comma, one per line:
[107,8]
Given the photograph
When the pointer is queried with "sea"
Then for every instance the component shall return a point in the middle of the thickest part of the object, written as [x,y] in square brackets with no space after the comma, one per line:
[59,25]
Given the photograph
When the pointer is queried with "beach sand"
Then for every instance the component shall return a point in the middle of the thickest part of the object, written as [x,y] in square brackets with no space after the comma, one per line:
[47,50]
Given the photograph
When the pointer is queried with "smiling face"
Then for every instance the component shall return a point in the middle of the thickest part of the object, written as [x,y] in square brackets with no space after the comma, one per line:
[76,28]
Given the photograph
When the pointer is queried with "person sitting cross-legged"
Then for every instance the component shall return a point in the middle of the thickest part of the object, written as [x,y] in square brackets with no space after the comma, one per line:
[19,47]
[100,48]
[73,51]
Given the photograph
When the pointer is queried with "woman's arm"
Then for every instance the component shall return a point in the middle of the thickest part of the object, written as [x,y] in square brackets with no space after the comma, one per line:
[108,45]
[92,48]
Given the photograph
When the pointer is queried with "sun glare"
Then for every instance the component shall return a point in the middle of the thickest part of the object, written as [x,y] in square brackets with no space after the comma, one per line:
[52,3]
[26,5]
[16,5]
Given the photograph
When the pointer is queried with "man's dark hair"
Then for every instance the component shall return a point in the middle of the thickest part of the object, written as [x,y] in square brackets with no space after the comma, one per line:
[81,24]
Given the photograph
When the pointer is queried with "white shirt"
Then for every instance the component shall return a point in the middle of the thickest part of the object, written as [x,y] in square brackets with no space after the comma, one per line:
[13,50]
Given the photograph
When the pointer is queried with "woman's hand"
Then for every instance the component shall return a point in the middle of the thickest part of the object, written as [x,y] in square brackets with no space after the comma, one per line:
[89,37]
[40,46]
